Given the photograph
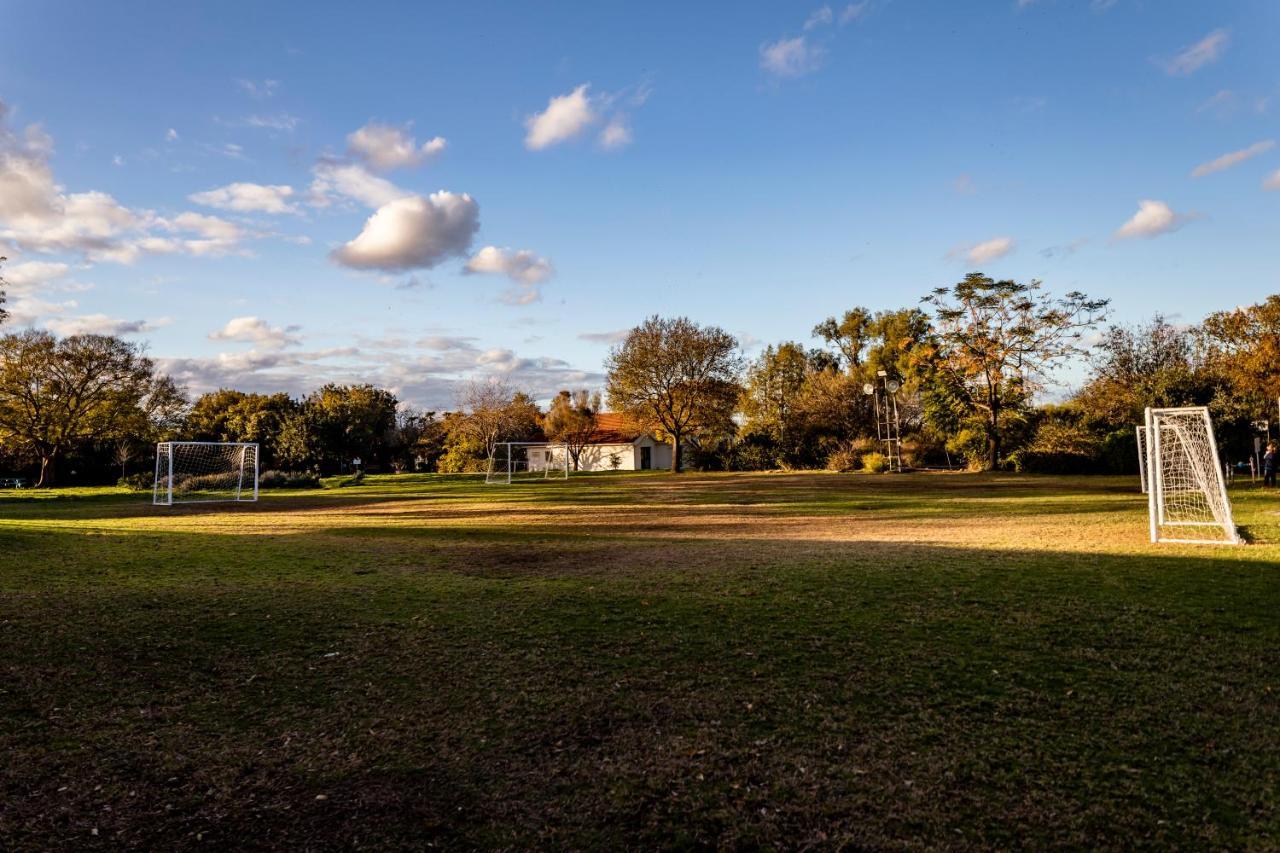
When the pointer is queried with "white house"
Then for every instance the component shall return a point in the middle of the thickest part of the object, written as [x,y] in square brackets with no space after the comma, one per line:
[615,445]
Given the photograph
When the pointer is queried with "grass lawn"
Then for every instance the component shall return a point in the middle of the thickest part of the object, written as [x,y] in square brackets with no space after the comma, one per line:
[737,660]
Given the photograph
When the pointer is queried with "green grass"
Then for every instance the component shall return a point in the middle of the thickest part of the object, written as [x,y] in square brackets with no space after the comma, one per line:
[778,660]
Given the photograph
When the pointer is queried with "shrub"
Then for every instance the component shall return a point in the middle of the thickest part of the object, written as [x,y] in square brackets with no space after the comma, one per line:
[843,459]
[137,482]
[288,480]
[342,482]
[1058,448]
[874,462]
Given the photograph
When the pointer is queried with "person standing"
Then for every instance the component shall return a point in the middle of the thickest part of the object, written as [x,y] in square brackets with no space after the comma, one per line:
[1269,462]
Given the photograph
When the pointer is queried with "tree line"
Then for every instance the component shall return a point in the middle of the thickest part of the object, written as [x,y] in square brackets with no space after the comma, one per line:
[970,363]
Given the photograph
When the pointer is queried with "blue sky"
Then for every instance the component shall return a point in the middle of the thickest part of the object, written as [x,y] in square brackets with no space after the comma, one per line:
[276,195]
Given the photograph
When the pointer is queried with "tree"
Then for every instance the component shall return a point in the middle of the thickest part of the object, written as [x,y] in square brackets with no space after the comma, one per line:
[1136,366]
[848,335]
[344,422]
[1243,347]
[57,394]
[998,340]
[495,413]
[676,376]
[230,415]
[572,420]
[772,393]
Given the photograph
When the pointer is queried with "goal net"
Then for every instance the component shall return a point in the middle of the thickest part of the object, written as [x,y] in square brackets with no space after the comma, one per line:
[1141,432]
[1186,491]
[204,472]
[527,460]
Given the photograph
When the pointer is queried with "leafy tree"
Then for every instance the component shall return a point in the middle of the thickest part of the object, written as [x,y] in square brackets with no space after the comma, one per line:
[772,394]
[676,376]
[1243,347]
[57,394]
[1136,366]
[848,335]
[416,440]
[229,415]
[159,417]
[343,422]
[572,420]
[998,340]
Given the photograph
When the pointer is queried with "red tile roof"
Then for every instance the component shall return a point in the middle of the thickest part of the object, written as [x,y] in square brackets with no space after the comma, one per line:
[615,428]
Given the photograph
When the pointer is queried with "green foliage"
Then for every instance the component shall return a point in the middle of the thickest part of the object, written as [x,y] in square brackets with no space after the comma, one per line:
[140,482]
[1061,445]
[288,480]
[874,462]
[230,415]
[343,481]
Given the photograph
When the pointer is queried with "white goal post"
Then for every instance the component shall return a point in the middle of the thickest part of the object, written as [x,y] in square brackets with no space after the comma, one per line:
[1186,491]
[1141,432]
[205,472]
[527,460]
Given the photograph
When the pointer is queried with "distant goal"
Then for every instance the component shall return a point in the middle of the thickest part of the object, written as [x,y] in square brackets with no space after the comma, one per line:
[527,460]
[1186,490]
[205,472]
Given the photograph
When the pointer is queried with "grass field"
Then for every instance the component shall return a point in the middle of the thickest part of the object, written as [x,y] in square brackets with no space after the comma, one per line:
[738,660]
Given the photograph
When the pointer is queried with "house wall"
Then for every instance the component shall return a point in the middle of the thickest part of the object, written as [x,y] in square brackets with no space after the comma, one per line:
[597,457]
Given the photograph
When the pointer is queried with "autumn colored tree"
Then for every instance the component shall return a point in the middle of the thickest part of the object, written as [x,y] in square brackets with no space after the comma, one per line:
[997,341]
[572,420]
[672,375]
[771,396]
[57,394]
[4,315]
[1242,346]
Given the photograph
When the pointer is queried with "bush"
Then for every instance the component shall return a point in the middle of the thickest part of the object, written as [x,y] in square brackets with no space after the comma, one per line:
[1058,448]
[288,480]
[342,482]
[874,462]
[844,459]
[137,482]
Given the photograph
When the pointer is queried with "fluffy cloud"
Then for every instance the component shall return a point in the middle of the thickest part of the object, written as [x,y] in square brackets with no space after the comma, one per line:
[354,181]
[26,277]
[247,198]
[565,117]
[256,331]
[793,57]
[1191,59]
[523,266]
[386,147]
[1234,158]
[413,232]
[1271,182]
[986,251]
[1152,219]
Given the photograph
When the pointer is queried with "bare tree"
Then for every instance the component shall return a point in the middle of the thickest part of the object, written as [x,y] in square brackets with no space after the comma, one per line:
[497,412]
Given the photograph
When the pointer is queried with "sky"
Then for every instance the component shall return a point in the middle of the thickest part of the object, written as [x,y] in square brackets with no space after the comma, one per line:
[275,196]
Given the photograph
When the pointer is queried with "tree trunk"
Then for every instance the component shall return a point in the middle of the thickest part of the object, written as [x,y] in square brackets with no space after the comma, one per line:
[677,459]
[48,466]
[993,438]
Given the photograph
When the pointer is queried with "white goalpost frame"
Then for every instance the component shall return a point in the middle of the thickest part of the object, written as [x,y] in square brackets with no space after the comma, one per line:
[502,466]
[1141,432]
[237,454]
[1208,478]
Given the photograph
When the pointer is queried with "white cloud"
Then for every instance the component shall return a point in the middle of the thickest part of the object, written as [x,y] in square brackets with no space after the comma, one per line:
[1152,219]
[820,17]
[171,135]
[385,147]
[617,133]
[248,198]
[565,117]
[793,57]
[27,276]
[279,121]
[257,331]
[101,324]
[1271,182]
[986,251]
[615,337]
[1234,158]
[353,181]
[523,267]
[259,90]
[1191,59]
[413,232]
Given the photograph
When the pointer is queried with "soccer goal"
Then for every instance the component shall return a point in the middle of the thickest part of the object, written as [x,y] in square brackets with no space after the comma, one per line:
[205,472]
[527,460]
[1141,432]
[1186,492]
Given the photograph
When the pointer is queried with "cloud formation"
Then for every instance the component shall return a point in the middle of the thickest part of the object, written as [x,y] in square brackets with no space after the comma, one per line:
[416,232]
[1198,55]
[385,147]
[1234,158]
[565,117]
[1152,219]
[248,198]
[522,266]
[791,57]
[257,331]
[617,133]
[987,251]
[1271,182]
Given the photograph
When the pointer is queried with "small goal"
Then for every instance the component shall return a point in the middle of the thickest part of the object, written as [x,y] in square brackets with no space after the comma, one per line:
[205,472]
[1141,432]
[1186,491]
[527,460]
